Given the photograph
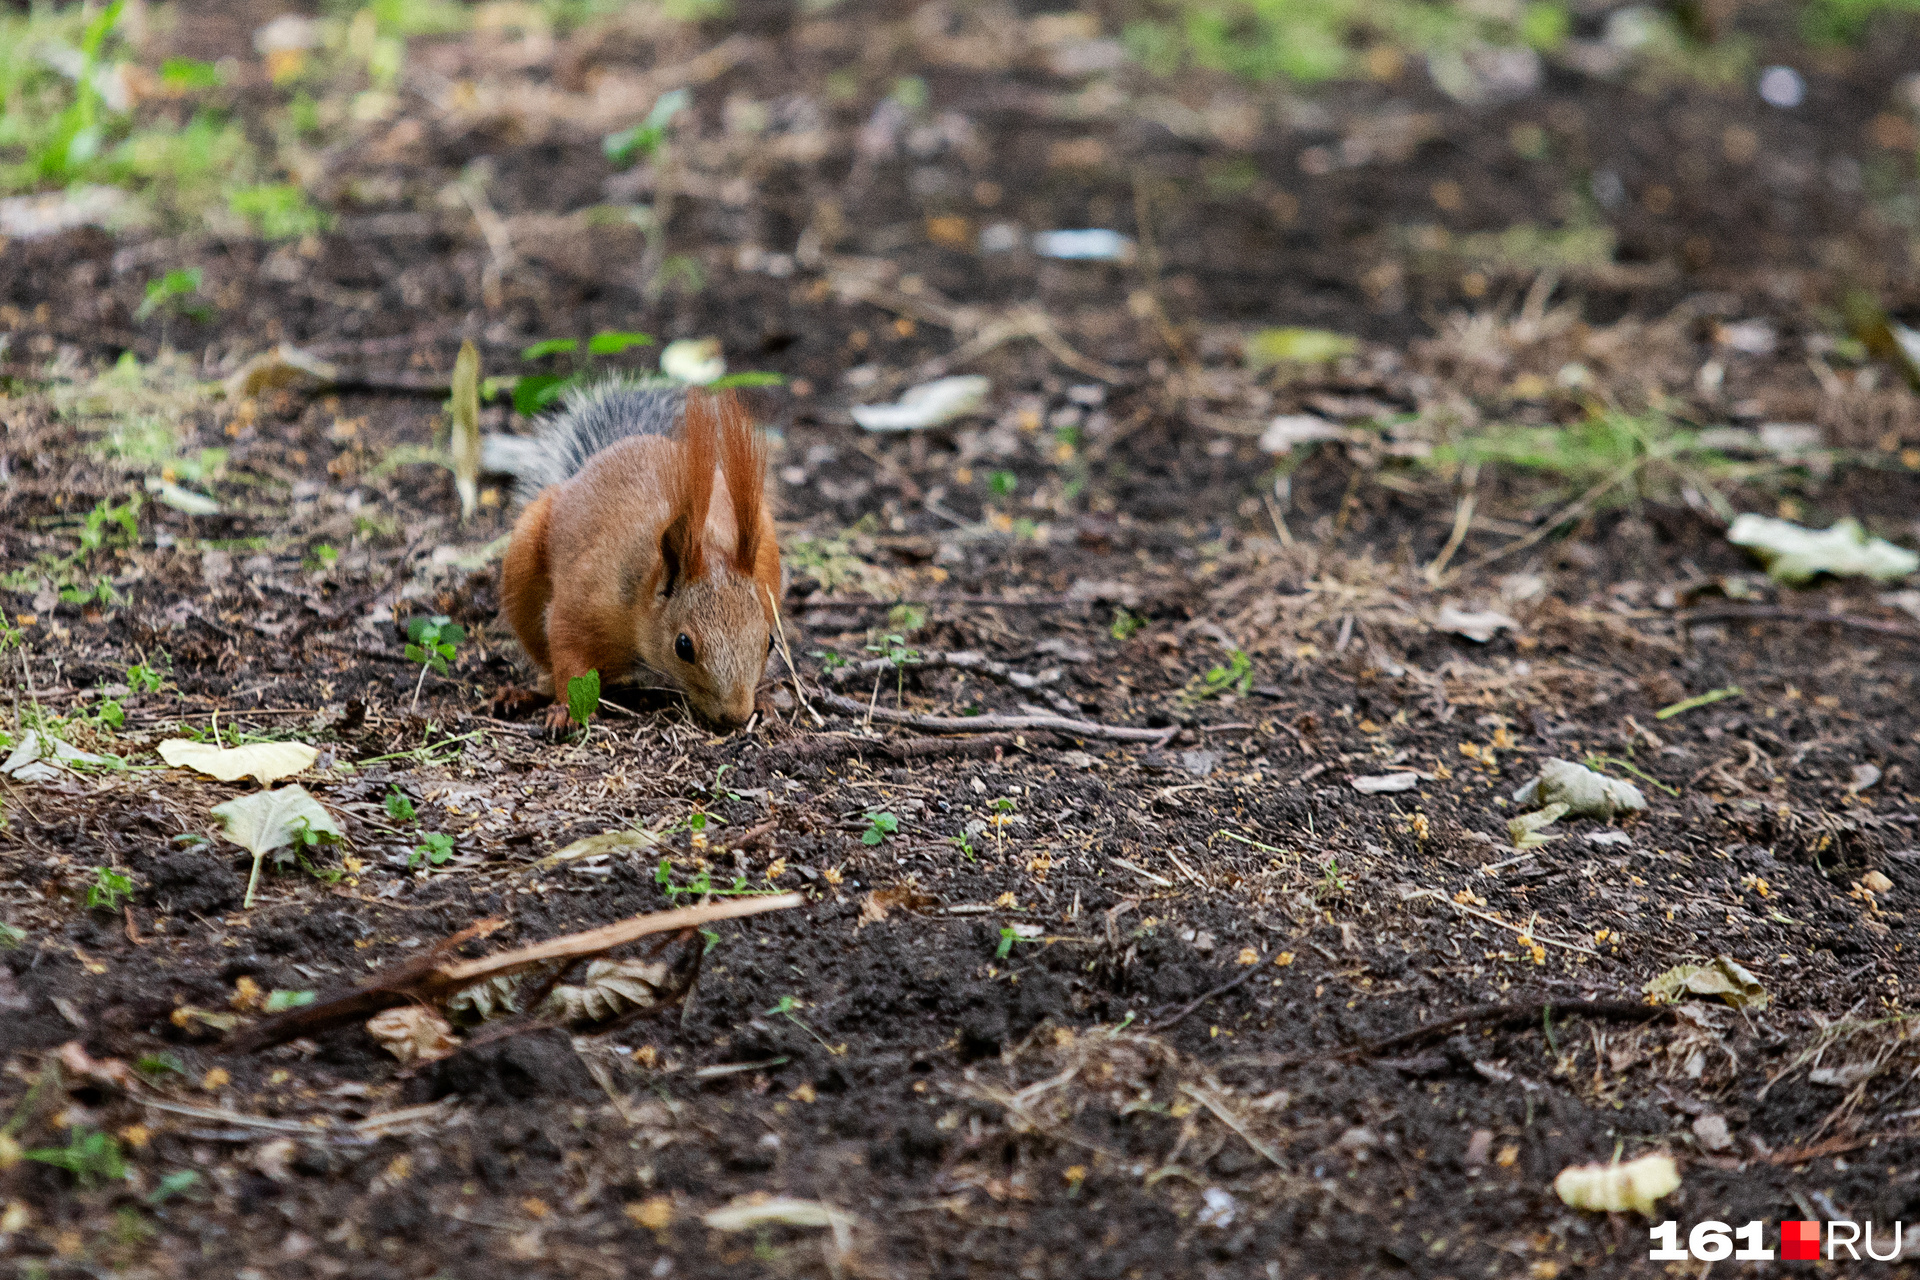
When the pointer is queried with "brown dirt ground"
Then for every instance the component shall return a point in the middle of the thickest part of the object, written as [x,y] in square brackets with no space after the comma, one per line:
[1061,1104]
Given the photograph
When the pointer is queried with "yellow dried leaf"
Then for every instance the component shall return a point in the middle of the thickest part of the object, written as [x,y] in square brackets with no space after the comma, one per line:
[653,1213]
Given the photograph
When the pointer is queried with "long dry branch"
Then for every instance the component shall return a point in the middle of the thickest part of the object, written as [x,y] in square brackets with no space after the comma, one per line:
[432,978]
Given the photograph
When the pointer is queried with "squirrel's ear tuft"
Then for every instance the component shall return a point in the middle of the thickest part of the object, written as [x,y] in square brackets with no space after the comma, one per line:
[691,484]
[743,461]
[677,547]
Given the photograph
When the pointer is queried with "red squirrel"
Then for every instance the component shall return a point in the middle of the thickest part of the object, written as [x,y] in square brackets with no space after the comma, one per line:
[647,548]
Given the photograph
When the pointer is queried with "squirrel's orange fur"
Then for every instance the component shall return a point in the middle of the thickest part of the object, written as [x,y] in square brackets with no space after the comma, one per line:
[631,563]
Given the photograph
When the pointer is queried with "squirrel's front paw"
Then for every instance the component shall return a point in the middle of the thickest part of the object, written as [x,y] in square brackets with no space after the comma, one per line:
[555,723]
[515,703]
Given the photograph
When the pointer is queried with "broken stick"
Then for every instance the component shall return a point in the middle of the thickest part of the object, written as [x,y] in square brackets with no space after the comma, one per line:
[432,978]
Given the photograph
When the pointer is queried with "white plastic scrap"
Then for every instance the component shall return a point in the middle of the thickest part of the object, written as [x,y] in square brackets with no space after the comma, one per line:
[1478,627]
[931,404]
[1796,555]
[1585,793]
[1383,783]
[1290,429]
[1092,245]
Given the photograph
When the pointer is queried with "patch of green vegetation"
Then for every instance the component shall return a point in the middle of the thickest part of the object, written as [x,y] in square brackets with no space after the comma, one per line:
[701,885]
[277,210]
[1526,249]
[1315,40]
[1845,21]
[433,643]
[836,561]
[107,526]
[534,392]
[880,825]
[90,1156]
[1126,624]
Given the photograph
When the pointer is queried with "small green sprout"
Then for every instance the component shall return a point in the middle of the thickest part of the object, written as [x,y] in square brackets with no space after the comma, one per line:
[1003,483]
[108,887]
[1007,938]
[279,1001]
[177,1183]
[583,697]
[433,642]
[170,294]
[142,678]
[644,140]
[1236,676]
[399,806]
[880,825]
[435,847]
[160,1064]
[1126,625]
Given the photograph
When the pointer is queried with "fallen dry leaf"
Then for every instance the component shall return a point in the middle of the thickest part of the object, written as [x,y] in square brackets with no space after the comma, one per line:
[413,1033]
[1725,978]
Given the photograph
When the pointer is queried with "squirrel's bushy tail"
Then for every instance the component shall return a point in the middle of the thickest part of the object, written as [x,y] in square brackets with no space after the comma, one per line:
[590,419]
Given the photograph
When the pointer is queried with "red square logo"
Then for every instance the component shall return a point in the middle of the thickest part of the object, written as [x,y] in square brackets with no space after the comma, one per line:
[1799,1241]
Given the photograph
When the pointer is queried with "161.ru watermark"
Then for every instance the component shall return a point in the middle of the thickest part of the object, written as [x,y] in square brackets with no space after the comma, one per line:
[1799,1242]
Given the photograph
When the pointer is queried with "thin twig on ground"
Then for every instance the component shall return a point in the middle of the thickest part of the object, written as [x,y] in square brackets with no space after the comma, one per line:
[994,724]
[1767,613]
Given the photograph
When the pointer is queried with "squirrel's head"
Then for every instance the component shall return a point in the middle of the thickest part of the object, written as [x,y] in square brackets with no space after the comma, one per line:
[716,640]
[712,625]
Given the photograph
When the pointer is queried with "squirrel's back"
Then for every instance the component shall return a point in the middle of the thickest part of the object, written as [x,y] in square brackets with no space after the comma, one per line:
[589,420]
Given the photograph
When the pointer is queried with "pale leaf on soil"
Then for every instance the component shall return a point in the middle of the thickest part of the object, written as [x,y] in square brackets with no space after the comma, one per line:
[1618,1188]
[38,758]
[266,761]
[413,1033]
[1526,830]
[1479,627]
[1796,555]
[1725,977]
[284,366]
[265,820]
[1585,793]
[1383,783]
[931,404]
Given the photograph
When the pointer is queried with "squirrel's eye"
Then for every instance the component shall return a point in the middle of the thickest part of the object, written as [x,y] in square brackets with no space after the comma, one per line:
[683,647]
[769,644]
